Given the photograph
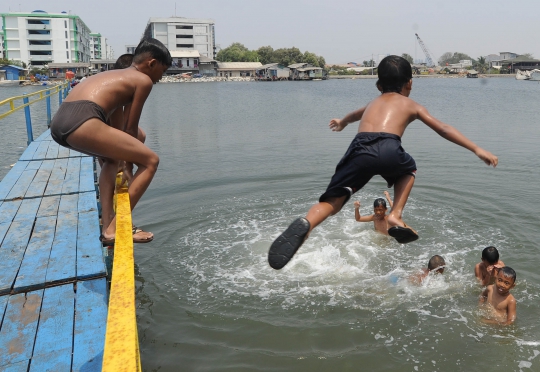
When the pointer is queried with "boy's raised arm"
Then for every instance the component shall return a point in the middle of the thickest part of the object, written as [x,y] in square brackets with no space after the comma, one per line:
[337,125]
[387,194]
[357,216]
[451,134]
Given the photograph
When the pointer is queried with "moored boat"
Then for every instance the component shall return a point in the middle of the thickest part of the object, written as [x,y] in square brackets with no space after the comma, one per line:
[523,75]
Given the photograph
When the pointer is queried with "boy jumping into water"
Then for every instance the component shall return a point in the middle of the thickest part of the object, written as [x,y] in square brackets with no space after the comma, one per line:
[502,303]
[436,264]
[376,150]
[486,270]
[81,124]
[379,214]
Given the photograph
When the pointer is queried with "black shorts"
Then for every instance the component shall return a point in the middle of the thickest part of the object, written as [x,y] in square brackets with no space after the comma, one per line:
[368,155]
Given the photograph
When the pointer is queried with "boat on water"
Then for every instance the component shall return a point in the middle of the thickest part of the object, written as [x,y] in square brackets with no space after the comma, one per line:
[523,75]
[535,75]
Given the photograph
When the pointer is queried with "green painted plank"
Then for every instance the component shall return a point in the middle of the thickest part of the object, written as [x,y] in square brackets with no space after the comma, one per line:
[55,328]
[21,366]
[62,261]
[19,328]
[52,151]
[28,154]
[11,178]
[49,206]
[22,184]
[90,325]
[12,252]
[71,182]
[41,151]
[55,361]
[33,270]
[90,262]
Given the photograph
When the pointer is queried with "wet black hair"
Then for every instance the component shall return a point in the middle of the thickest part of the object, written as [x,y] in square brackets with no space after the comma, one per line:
[491,255]
[379,202]
[124,61]
[508,272]
[436,262]
[153,48]
[394,72]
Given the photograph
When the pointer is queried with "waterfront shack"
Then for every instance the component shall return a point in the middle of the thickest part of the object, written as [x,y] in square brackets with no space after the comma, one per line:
[272,72]
[11,72]
[184,61]
[237,69]
[207,66]
[305,71]
[58,70]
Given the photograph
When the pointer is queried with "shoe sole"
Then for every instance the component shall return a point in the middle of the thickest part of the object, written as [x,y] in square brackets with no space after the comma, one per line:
[285,246]
[402,235]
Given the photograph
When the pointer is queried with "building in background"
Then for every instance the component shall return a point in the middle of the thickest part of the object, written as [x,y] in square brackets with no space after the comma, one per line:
[40,38]
[178,33]
[130,49]
[99,48]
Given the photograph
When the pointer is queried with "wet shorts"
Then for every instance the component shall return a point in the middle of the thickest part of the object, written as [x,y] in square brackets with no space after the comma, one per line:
[71,115]
[368,155]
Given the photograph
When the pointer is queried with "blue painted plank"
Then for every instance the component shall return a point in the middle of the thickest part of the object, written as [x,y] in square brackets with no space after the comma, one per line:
[76,154]
[63,152]
[52,151]
[28,154]
[87,202]
[68,206]
[90,325]
[54,187]
[33,271]
[62,261]
[56,361]
[22,184]
[87,180]
[55,328]
[48,207]
[12,251]
[28,210]
[3,304]
[44,136]
[21,366]
[90,262]
[34,164]
[19,328]
[11,178]
[9,209]
[71,182]
[41,179]
[41,151]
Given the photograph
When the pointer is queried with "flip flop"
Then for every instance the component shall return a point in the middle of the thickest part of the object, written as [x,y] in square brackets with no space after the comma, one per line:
[286,245]
[107,242]
[403,235]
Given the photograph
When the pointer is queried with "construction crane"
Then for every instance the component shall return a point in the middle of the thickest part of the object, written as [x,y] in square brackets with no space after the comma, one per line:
[429,60]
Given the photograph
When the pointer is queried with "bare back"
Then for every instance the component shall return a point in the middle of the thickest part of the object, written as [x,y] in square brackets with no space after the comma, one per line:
[113,89]
[389,113]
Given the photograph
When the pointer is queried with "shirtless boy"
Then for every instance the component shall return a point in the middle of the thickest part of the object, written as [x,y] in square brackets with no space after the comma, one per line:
[501,304]
[379,214]
[436,264]
[376,150]
[486,271]
[81,123]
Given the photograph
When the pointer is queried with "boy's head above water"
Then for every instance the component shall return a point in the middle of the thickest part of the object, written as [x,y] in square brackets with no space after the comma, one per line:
[490,255]
[508,273]
[379,207]
[394,73]
[436,263]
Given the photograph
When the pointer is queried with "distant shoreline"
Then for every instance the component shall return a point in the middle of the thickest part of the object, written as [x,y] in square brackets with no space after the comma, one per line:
[438,76]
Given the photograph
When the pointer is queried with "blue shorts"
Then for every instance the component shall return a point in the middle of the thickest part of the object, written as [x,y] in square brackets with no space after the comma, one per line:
[370,154]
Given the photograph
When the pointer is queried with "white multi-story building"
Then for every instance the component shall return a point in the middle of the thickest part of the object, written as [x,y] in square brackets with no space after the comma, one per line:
[178,33]
[39,38]
[98,46]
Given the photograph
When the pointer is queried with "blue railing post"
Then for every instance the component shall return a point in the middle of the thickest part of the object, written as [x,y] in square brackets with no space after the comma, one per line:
[60,91]
[28,122]
[48,99]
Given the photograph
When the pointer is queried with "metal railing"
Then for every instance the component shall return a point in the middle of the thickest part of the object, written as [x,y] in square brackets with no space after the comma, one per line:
[30,98]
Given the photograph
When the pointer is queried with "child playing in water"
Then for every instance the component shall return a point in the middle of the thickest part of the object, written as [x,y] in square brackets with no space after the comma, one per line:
[379,214]
[376,150]
[436,264]
[81,123]
[502,305]
[487,269]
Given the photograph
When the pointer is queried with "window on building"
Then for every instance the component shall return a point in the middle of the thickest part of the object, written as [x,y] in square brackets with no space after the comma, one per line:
[39,32]
[187,62]
[67,45]
[40,53]
[184,45]
[184,27]
[184,36]
[66,34]
[39,42]
[67,55]
[65,24]
[39,22]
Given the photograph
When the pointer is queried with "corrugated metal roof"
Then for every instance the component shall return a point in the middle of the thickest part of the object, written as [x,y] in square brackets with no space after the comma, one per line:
[297,65]
[185,53]
[311,68]
[238,65]
[205,59]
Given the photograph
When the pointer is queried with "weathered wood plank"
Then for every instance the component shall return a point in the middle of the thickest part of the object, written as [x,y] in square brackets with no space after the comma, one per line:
[63,152]
[71,182]
[21,366]
[41,151]
[55,329]
[55,361]
[3,304]
[54,187]
[87,180]
[28,154]
[11,253]
[41,179]
[45,136]
[33,271]
[68,206]
[52,151]
[49,206]
[8,210]
[19,328]
[87,202]
[62,261]
[90,325]
[28,210]
[11,178]
[90,262]
[22,184]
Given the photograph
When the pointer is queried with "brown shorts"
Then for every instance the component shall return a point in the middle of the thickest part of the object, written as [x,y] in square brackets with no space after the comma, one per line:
[71,115]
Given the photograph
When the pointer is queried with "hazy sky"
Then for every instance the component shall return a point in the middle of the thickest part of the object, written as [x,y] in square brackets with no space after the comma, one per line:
[339,31]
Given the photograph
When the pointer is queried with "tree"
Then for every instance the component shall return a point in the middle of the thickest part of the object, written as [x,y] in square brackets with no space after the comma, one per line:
[449,58]
[266,54]
[237,52]
[527,55]
[480,65]
[408,57]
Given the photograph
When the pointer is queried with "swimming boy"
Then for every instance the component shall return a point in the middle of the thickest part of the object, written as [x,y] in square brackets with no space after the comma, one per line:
[436,264]
[379,214]
[502,303]
[81,123]
[376,150]
[487,269]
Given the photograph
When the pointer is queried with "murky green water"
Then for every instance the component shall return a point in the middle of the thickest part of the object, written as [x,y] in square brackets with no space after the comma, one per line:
[240,161]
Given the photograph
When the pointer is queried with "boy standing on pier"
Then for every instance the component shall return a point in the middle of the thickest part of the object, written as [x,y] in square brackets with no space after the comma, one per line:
[81,124]
[376,150]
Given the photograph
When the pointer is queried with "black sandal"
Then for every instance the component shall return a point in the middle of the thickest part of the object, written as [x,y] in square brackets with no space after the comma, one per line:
[286,245]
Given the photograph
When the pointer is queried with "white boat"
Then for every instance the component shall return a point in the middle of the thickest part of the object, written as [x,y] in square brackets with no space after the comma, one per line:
[523,75]
[535,75]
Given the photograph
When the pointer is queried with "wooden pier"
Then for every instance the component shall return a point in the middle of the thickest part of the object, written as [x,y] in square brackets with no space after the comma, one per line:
[53,287]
